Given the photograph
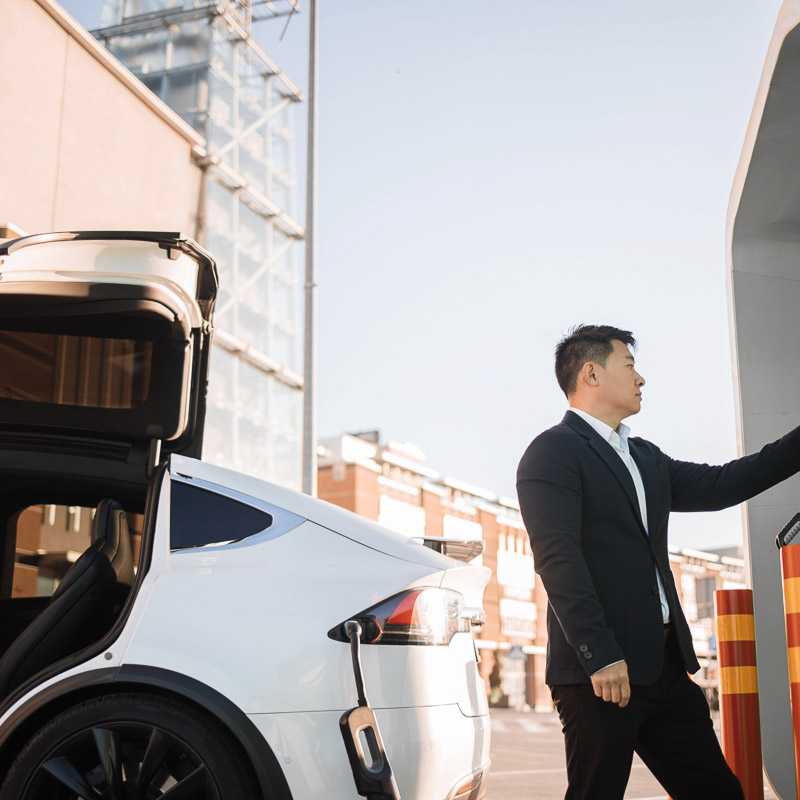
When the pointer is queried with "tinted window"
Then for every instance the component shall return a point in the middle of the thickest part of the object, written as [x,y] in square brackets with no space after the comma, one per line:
[74,370]
[199,517]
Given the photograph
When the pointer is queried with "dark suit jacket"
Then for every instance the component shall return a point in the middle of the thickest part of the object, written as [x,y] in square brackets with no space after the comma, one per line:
[593,554]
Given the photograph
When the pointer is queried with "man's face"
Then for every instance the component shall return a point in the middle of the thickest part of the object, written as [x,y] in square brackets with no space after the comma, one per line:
[620,385]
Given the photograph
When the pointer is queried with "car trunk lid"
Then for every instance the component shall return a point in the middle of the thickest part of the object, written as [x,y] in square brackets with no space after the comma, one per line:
[104,337]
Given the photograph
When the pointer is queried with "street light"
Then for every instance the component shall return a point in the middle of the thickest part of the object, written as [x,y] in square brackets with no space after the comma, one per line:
[309,384]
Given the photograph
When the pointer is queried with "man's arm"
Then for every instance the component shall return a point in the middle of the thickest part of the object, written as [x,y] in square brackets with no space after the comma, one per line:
[700,487]
[549,491]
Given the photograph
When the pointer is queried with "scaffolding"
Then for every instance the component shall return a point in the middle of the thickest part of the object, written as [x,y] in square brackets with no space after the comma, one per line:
[201,59]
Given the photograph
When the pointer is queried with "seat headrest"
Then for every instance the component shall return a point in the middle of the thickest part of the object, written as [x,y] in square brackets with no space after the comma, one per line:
[111,536]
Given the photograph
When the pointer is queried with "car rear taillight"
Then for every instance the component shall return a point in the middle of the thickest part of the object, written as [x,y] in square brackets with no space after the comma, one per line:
[415,616]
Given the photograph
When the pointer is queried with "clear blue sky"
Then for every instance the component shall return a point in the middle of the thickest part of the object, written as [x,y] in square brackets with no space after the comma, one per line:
[491,174]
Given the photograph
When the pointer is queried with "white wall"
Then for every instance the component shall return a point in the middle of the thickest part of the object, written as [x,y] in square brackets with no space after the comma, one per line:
[80,148]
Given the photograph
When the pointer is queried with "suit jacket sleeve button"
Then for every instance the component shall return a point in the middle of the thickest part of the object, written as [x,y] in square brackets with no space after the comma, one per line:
[583,647]
[587,655]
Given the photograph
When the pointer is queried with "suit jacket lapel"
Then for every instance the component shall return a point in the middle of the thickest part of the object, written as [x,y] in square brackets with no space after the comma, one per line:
[649,478]
[612,460]
[614,463]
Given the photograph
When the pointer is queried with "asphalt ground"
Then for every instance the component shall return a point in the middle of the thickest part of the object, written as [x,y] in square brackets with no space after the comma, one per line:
[528,761]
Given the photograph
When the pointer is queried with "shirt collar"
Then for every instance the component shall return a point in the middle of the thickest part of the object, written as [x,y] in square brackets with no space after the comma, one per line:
[617,438]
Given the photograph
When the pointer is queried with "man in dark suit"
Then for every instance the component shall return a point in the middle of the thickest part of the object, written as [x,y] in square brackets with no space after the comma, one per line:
[596,505]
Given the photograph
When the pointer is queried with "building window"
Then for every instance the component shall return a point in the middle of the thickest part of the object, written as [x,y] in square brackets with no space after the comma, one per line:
[517,618]
[461,528]
[515,570]
[704,594]
[401,517]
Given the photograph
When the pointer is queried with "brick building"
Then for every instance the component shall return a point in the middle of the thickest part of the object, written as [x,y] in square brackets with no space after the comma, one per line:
[392,484]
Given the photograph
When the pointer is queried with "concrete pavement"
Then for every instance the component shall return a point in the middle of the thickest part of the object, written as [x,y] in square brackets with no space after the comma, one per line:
[528,761]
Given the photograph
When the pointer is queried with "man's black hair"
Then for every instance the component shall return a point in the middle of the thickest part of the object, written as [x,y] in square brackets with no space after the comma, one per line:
[585,343]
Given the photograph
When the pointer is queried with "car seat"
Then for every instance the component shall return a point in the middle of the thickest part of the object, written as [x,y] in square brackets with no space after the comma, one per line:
[84,606]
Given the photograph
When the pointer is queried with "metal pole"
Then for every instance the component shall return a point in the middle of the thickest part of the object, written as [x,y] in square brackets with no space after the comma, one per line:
[309,383]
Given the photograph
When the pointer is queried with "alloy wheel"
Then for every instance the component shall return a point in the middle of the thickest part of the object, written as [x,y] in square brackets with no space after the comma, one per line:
[122,761]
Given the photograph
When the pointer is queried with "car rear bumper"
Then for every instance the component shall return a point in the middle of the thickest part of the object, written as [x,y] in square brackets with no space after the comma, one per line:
[432,750]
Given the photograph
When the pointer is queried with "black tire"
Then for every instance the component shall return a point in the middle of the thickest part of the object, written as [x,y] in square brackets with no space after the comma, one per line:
[143,743]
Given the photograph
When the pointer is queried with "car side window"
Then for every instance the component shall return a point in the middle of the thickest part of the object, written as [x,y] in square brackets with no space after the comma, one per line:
[200,517]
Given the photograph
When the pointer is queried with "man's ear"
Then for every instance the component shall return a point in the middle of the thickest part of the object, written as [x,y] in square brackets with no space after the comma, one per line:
[588,374]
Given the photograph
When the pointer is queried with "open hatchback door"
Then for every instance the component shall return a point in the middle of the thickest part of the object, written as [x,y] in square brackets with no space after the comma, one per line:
[104,346]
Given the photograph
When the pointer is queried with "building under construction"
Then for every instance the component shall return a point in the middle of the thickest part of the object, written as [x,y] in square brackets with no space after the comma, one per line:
[201,59]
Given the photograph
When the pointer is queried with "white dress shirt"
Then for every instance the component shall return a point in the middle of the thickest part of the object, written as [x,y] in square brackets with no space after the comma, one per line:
[618,439]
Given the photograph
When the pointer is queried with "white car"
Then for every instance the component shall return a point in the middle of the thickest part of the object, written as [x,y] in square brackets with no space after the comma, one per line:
[219,664]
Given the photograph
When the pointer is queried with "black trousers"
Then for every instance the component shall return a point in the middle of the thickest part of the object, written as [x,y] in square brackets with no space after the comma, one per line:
[668,724]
